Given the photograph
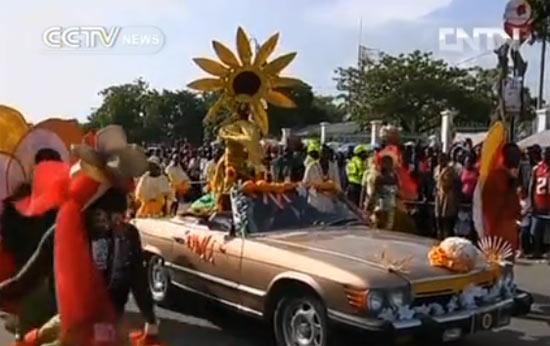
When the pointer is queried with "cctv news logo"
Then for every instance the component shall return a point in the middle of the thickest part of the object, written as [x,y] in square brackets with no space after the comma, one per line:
[101,39]
[459,40]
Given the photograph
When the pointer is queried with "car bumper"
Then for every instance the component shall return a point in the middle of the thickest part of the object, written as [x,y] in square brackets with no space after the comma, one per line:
[443,328]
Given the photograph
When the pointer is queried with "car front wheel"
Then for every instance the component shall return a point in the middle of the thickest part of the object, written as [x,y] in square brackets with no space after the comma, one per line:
[300,320]
[159,280]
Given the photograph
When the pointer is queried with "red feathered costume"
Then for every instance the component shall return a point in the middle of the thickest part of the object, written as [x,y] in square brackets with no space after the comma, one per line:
[86,313]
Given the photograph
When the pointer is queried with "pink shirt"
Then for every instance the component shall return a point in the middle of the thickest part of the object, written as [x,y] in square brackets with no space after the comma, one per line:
[469,181]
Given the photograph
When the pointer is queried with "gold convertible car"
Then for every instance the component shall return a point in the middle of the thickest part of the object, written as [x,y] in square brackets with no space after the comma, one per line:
[304,266]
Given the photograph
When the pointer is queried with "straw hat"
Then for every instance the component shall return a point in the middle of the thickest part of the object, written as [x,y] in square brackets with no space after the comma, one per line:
[107,155]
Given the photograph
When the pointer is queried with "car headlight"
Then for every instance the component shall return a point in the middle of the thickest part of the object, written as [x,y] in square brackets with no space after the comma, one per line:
[375,301]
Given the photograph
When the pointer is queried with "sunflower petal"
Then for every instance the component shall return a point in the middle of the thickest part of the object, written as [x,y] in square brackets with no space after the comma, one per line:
[243,47]
[266,50]
[259,117]
[212,67]
[279,64]
[286,82]
[280,100]
[206,84]
[225,55]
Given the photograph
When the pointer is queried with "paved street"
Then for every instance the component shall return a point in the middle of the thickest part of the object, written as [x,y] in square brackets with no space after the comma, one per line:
[197,324]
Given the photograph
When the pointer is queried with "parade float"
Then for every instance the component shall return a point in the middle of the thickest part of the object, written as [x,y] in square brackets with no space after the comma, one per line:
[264,249]
[246,84]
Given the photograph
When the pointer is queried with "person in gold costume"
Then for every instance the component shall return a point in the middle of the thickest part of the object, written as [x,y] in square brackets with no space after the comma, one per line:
[154,192]
[243,155]
[247,82]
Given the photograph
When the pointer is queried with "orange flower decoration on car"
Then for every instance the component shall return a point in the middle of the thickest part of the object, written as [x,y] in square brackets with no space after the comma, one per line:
[456,254]
[438,258]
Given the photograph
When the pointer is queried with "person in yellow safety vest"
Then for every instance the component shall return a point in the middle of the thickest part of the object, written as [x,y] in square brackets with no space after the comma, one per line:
[355,169]
[179,181]
[154,192]
[313,151]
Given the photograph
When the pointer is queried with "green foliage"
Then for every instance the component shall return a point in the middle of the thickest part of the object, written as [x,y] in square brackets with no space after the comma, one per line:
[149,115]
[541,23]
[412,90]
[311,110]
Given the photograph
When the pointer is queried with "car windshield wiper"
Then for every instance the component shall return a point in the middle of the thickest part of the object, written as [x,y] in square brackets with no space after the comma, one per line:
[344,221]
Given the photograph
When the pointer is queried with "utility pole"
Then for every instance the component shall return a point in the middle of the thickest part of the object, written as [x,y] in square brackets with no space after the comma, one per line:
[360,46]
[540,101]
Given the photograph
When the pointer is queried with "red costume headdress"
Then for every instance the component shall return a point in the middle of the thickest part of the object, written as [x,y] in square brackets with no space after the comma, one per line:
[19,144]
[106,159]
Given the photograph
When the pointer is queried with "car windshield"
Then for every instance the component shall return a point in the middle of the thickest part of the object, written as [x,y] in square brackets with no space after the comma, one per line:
[301,209]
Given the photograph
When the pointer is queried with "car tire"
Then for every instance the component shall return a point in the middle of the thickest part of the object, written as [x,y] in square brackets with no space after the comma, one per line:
[300,319]
[160,284]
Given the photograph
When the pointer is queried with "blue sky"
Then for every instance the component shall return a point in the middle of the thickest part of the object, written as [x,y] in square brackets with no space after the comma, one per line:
[325,33]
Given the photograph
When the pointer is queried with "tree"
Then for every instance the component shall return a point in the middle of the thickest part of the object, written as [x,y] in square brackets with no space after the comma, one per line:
[174,115]
[122,105]
[412,90]
[311,109]
[148,115]
[541,22]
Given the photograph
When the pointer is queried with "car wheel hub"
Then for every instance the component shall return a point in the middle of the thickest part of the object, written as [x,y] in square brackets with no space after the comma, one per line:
[303,326]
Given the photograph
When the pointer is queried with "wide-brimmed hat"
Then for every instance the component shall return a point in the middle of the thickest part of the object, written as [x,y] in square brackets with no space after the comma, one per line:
[107,154]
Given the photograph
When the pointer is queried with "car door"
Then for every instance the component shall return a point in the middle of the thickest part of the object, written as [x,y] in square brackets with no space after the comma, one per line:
[207,261]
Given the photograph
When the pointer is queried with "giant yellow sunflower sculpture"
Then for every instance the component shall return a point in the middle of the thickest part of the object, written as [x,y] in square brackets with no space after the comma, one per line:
[249,79]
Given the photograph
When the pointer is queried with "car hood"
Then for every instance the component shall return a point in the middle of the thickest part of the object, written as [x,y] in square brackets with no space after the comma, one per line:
[360,249]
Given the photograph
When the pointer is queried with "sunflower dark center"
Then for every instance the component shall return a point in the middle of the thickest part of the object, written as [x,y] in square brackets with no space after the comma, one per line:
[247,82]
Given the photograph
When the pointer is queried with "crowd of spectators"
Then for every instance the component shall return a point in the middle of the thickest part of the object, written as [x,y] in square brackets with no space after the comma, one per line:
[446,182]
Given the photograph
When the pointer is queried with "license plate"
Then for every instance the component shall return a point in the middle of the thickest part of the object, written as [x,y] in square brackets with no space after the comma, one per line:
[486,321]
